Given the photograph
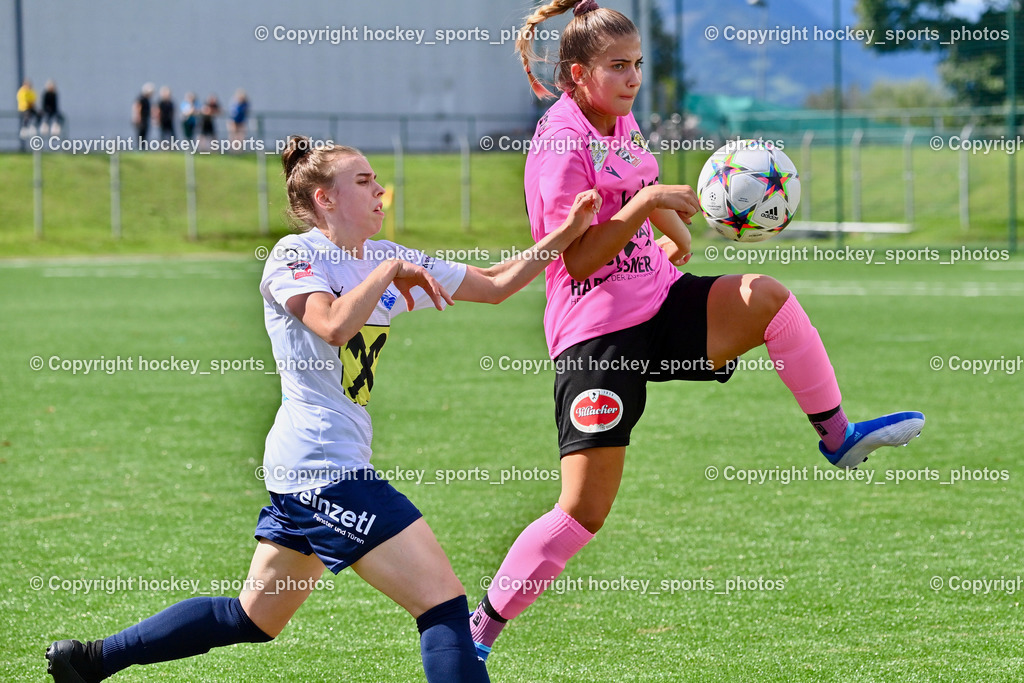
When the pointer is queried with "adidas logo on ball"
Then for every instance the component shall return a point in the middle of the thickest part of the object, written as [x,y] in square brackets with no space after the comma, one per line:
[771,214]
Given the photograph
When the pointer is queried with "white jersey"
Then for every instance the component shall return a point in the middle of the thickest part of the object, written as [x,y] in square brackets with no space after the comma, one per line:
[322,428]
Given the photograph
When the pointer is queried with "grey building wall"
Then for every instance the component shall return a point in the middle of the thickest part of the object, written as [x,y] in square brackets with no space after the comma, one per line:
[100,52]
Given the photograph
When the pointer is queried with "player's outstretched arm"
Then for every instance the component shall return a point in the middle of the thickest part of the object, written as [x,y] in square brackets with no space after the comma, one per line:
[602,242]
[495,284]
[676,242]
[338,319]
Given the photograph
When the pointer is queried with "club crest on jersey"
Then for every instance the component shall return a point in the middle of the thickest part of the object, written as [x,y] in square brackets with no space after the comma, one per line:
[300,269]
[637,139]
[598,153]
[387,299]
[542,125]
[627,156]
[596,410]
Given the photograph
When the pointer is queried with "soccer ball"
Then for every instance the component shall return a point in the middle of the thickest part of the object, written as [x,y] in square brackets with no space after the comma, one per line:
[748,190]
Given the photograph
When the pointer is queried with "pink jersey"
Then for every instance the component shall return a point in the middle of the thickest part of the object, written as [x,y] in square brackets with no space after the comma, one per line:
[567,156]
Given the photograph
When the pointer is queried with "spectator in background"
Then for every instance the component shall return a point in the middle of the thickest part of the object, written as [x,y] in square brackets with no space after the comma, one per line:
[207,116]
[27,109]
[189,114]
[52,120]
[165,114]
[239,115]
[141,112]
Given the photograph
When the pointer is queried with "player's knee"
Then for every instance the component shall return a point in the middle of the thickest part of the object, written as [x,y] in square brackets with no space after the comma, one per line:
[268,626]
[590,515]
[266,623]
[269,636]
[453,610]
[593,523]
[253,626]
[768,295]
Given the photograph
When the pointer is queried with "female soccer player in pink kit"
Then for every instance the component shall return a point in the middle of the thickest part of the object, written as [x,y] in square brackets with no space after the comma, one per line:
[615,295]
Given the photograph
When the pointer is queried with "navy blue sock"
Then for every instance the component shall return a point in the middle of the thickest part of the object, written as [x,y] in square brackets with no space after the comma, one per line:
[446,645]
[190,627]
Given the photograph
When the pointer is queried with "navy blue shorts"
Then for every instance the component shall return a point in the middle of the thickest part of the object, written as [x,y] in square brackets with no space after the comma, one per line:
[339,522]
[601,385]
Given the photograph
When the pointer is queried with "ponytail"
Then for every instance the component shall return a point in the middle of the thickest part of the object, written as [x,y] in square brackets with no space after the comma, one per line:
[586,36]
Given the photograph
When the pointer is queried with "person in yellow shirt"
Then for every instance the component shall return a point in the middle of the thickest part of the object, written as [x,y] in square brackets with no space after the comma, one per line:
[27,109]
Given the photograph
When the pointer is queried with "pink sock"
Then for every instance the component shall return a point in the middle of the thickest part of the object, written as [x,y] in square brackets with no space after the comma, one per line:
[536,558]
[800,357]
[832,428]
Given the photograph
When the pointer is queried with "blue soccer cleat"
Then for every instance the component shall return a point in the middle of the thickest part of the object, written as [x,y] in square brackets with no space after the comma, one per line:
[862,438]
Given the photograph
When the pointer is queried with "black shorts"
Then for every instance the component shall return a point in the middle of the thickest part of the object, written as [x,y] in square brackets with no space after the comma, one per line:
[601,383]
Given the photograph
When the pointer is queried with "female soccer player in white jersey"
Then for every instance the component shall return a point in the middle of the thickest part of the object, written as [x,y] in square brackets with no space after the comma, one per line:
[329,297]
[615,295]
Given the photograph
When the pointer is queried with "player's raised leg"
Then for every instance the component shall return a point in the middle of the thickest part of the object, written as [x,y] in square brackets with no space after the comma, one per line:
[745,311]
[194,626]
[590,481]
[412,569]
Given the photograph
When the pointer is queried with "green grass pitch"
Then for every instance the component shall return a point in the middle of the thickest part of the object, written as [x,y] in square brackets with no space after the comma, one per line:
[151,476]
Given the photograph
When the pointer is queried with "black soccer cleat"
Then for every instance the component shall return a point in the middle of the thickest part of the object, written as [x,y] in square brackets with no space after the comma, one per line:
[70,661]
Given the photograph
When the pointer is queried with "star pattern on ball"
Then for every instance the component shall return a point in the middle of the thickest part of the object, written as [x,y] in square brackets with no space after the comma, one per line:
[775,180]
[724,169]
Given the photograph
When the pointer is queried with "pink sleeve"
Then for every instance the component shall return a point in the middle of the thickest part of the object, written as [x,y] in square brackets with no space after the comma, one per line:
[564,171]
